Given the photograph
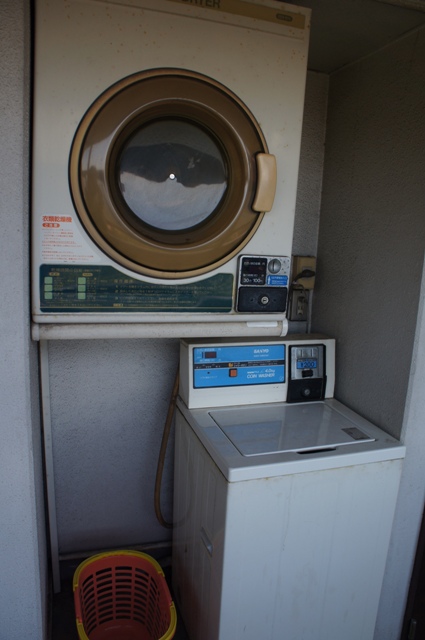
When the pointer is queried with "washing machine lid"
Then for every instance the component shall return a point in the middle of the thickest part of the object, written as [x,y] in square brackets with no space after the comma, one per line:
[287,428]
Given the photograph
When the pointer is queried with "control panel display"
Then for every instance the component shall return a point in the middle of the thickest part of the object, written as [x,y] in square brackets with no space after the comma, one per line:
[75,288]
[253,271]
[306,364]
[238,365]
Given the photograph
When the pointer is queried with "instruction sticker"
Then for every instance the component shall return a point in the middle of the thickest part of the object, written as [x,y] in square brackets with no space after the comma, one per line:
[62,242]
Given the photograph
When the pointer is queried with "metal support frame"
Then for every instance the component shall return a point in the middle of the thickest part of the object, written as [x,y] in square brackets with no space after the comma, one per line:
[49,467]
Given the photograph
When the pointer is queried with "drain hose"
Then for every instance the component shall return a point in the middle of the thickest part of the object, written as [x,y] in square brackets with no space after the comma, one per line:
[162,452]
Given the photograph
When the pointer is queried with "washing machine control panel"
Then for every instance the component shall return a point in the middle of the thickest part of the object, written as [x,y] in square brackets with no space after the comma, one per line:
[263,284]
[237,365]
[220,372]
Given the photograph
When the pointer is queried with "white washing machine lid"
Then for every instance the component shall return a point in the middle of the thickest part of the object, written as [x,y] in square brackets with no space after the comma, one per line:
[270,440]
[278,429]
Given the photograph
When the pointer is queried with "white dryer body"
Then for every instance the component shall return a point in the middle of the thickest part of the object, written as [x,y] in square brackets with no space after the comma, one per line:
[166,145]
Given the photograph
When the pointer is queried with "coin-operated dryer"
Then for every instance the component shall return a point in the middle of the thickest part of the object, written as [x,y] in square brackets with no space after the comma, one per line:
[166,147]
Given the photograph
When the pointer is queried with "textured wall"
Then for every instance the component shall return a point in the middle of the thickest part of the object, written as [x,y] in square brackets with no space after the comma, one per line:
[411,495]
[372,227]
[307,212]
[23,567]
[109,401]
[370,256]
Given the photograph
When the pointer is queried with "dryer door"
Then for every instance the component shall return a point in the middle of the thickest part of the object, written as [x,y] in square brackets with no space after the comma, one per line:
[170,174]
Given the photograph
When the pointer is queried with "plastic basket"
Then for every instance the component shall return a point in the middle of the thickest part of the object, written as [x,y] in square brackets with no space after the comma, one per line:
[123,595]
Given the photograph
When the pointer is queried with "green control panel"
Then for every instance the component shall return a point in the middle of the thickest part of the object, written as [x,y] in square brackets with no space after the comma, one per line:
[76,288]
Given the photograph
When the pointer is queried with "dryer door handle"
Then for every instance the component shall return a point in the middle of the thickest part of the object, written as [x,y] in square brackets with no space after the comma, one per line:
[266,182]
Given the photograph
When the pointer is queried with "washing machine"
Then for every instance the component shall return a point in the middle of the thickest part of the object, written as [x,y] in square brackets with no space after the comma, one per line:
[166,140]
[284,500]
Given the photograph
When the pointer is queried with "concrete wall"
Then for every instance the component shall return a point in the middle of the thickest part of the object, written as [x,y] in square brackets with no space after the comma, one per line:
[23,566]
[371,248]
[411,495]
[372,227]
[309,191]
[109,401]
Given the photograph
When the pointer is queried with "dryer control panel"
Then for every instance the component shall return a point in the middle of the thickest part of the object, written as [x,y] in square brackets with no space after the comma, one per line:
[263,284]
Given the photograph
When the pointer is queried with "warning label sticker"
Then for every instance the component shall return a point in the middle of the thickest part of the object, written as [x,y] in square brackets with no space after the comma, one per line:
[62,242]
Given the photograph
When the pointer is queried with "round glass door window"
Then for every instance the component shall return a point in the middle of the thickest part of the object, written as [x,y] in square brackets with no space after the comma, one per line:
[166,173]
[172,175]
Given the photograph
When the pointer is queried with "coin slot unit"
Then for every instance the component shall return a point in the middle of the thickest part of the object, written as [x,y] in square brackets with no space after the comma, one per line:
[263,284]
[307,373]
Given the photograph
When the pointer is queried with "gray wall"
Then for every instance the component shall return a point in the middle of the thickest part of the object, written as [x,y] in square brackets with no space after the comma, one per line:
[309,190]
[411,495]
[371,248]
[23,566]
[372,227]
[109,401]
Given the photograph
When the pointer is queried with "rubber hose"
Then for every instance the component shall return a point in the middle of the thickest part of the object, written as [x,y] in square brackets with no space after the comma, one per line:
[162,452]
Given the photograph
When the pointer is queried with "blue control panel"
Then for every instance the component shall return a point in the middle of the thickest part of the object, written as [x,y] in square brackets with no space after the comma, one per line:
[238,365]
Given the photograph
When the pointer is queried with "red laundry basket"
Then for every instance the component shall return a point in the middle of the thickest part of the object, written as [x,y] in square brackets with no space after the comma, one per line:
[123,595]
